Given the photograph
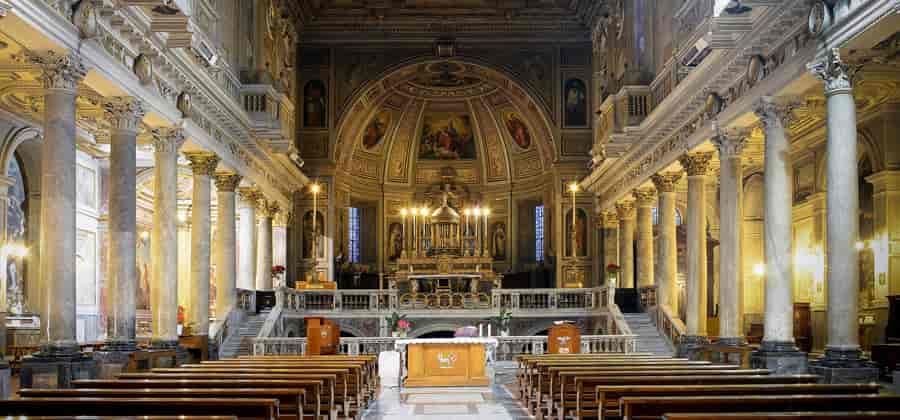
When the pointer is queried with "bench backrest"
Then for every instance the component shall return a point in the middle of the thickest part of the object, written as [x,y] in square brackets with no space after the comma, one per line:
[655,407]
[243,408]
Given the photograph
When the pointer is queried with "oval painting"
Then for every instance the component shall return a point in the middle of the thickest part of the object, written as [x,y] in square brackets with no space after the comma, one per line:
[518,130]
[376,129]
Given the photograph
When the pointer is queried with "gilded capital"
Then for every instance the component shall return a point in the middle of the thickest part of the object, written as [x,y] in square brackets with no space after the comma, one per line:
[696,164]
[835,72]
[123,112]
[730,142]
[625,209]
[249,194]
[202,163]
[227,181]
[666,182]
[266,208]
[609,219]
[770,110]
[167,139]
[644,197]
[59,71]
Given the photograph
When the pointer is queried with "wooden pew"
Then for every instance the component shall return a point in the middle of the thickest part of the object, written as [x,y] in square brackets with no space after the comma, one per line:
[290,400]
[586,399]
[243,408]
[368,363]
[607,397]
[805,415]
[645,408]
[319,392]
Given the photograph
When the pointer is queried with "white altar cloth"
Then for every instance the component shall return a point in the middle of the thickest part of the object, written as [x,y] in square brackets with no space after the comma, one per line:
[487,341]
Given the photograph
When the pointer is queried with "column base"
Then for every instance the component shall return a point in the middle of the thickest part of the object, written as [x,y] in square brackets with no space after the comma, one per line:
[5,380]
[120,345]
[56,366]
[181,354]
[781,357]
[689,346]
[844,366]
[731,341]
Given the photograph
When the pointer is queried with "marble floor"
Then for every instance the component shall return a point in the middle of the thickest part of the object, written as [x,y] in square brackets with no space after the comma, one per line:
[483,403]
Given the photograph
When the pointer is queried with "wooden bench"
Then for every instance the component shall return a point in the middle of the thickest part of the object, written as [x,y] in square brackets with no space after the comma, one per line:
[645,408]
[805,415]
[584,399]
[368,366]
[242,408]
[290,400]
[317,393]
[607,397]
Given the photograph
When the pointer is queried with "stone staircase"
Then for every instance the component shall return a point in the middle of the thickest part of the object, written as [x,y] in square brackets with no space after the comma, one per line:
[239,344]
[649,338]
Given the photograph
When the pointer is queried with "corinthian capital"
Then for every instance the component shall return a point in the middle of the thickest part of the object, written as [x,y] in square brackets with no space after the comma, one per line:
[770,110]
[833,71]
[167,139]
[644,197]
[696,164]
[266,208]
[625,210]
[666,182]
[123,112]
[610,219]
[227,181]
[731,142]
[202,163]
[249,195]
[59,71]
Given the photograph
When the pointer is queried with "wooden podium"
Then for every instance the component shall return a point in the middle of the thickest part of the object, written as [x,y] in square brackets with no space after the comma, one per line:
[322,336]
[564,339]
[447,362]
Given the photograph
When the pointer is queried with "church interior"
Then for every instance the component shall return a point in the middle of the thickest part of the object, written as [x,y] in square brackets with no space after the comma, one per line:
[396,209]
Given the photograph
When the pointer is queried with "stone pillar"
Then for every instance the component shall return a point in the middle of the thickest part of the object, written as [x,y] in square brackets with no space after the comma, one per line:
[778,351]
[666,290]
[125,115]
[59,360]
[226,265]
[645,199]
[164,239]
[843,358]
[203,166]
[266,210]
[625,211]
[247,254]
[610,240]
[730,144]
[696,165]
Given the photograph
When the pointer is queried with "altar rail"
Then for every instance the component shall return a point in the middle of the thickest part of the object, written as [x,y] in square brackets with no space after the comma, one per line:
[507,348]
[385,301]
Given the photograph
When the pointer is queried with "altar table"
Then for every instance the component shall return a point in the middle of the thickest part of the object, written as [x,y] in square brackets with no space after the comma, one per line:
[447,361]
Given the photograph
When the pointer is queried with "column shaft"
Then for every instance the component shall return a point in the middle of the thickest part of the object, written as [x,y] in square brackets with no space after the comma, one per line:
[626,244]
[226,265]
[645,201]
[668,258]
[696,166]
[164,239]
[247,254]
[203,166]
[264,249]
[730,146]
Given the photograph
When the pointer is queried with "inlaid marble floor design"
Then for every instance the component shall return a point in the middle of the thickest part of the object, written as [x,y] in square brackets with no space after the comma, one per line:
[483,403]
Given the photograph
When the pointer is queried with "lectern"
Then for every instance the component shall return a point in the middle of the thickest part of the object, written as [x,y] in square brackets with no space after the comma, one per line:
[322,336]
[564,339]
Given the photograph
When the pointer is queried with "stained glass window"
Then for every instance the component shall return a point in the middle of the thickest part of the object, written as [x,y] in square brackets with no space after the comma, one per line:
[539,233]
[354,235]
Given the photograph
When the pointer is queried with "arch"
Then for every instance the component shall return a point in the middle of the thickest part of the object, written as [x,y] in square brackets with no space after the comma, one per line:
[431,328]
[753,202]
[537,327]
[11,142]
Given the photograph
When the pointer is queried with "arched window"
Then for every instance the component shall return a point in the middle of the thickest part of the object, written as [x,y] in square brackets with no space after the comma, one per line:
[656,217]
[539,233]
[354,235]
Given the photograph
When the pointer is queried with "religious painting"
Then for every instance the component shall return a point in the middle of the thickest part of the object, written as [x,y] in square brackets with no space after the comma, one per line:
[447,136]
[86,267]
[498,241]
[376,129]
[85,187]
[395,241]
[308,235]
[315,105]
[580,234]
[517,130]
[143,261]
[575,103]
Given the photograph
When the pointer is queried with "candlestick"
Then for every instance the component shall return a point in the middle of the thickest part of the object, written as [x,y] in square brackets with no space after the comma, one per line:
[484,243]
[465,242]
[403,242]
[573,187]
[477,248]
[415,230]
[314,188]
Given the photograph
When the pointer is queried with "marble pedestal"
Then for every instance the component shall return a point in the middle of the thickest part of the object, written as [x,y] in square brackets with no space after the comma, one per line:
[110,363]
[780,358]
[5,376]
[55,370]
[690,345]
[839,367]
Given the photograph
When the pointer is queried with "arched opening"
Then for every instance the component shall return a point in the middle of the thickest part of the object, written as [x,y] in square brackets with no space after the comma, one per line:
[438,334]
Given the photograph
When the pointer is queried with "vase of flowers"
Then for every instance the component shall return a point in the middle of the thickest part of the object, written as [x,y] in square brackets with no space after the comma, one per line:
[612,274]
[398,324]
[503,320]
[277,272]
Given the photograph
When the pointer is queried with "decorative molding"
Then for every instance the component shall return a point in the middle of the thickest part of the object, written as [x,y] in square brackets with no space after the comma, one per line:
[696,164]
[58,71]
[227,181]
[123,112]
[833,71]
[202,163]
[730,142]
[625,210]
[167,139]
[644,197]
[770,109]
[666,182]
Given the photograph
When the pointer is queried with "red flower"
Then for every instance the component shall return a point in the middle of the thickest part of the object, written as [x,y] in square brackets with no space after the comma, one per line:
[612,268]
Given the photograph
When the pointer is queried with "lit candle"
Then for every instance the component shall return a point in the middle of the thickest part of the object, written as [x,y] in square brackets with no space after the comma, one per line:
[477,250]
[405,231]
[314,188]
[415,229]
[484,243]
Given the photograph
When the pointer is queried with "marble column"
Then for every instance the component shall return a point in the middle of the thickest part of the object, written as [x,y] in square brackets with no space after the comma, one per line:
[645,199]
[266,210]
[164,239]
[203,166]
[247,254]
[696,165]
[226,265]
[60,77]
[666,291]
[625,211]
[730,144]
[124,115]
[777,350]
[842,350]
[610,240]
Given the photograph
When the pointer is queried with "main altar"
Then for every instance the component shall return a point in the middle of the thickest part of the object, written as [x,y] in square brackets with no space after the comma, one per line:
[463,361]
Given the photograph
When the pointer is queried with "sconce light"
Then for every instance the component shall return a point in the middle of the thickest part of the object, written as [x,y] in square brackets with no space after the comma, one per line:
[145,235]
[15,250]
[759,269]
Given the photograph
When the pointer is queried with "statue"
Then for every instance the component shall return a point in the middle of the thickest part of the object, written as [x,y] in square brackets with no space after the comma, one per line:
[498,249]
[395,241]
[308,235]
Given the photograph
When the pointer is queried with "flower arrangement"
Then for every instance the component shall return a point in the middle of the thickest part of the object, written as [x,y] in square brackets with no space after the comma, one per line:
[612,268]
[503,320]
[398,324]
[277,270]
[612,273]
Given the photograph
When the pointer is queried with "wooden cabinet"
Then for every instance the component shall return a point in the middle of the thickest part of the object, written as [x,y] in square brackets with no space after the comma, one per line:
[322,336]
[802,326]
